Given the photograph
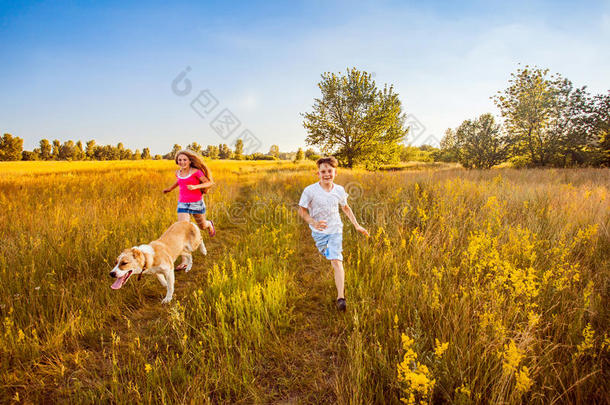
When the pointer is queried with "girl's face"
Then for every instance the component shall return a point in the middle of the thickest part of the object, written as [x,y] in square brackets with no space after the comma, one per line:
[183,161]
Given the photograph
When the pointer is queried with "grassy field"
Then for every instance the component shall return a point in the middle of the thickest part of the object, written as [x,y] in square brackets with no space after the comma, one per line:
[475,287]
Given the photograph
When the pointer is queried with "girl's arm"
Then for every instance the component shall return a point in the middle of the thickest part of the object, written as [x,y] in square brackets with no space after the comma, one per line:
[167,190]
[205,183]
[350,214]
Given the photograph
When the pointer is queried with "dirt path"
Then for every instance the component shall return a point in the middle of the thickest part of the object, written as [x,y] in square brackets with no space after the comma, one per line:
[306,364]
[303,366]
[146,316]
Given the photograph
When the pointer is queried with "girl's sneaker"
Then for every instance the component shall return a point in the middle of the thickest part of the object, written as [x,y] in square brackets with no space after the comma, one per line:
[211,229]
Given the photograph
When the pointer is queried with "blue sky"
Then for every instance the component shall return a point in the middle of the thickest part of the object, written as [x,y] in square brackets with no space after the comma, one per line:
[103,70]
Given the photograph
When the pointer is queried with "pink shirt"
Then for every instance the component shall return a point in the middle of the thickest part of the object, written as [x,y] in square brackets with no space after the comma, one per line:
[187,195]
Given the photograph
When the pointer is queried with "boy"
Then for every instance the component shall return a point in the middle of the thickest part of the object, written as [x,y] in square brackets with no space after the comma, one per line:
[319,207]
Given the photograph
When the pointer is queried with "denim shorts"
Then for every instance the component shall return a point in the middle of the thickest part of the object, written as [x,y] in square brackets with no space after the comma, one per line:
[330,245]
[197,207]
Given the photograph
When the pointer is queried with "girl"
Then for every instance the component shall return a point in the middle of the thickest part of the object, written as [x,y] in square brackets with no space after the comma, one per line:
[194,179]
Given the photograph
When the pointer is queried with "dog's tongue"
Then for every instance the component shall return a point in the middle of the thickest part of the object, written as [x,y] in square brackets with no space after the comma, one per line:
[118,283]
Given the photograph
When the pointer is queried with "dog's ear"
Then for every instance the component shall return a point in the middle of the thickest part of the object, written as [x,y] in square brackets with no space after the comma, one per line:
[139,256]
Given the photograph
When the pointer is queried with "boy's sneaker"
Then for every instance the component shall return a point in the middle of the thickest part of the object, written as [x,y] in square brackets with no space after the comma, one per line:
[341,304]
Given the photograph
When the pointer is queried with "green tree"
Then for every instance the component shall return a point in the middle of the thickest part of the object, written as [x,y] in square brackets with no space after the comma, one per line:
[539,111]
[480,143]
[239,150]
[146,154]
[124,154]
[56,148]
[90,149]
[448,151]
[66,151]
[79,151]
[598,123]
[212,152]
[10,147]
[45,149]
[224,152]
[300,155]
[27,155]
[355,121]
[195,147]
[311,154]
[274,151]
[172,154]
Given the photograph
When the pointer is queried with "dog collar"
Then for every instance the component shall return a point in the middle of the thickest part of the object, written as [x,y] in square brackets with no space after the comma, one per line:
[146,250]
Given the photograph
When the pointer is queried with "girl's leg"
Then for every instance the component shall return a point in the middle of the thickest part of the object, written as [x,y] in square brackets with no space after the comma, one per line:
[339,277]
[202,223]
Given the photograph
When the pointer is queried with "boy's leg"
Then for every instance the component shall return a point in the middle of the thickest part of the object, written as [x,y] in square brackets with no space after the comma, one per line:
[339,277]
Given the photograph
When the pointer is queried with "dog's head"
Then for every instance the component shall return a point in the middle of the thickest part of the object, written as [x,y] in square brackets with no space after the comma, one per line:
[130,261]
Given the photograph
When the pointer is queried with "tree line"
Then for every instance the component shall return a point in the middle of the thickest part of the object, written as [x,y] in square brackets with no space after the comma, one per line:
[546,122]
[11,148]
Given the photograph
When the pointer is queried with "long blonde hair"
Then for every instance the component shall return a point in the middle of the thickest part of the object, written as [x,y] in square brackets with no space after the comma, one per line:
[196,162]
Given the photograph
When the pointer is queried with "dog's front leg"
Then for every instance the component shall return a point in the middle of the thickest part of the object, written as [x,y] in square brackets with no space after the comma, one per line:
[161,278]
[169,277]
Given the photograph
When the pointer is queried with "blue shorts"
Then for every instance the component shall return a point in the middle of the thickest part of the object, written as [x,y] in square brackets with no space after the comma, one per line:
[197,207]
[330,245]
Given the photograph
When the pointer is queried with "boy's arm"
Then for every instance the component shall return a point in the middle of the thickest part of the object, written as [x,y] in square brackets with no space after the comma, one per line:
[304,213]
[173,186]
[350,214]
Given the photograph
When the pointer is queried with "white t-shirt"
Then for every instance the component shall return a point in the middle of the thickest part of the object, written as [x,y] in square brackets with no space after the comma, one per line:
[324,206]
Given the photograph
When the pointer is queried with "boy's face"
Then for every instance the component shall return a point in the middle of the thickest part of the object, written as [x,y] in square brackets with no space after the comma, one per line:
[326,173]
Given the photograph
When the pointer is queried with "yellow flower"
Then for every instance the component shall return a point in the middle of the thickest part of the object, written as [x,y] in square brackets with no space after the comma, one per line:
[589,335]
[463,390]
[147,368]
[533,319]
[512,357]
[413,376]
[440,348]
[524,382]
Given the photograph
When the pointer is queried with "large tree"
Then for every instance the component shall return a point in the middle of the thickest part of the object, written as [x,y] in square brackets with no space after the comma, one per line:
[599,124]
[479,143]
[146,153]
[239,149]
[195,147]
[45,149]
[355,121]
[274,151]
[542,114]
[212,152]
[90,149]
[300,155]
[224,152]
[10,147]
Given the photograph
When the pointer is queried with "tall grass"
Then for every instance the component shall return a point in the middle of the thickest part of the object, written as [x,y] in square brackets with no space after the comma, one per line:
[510,268]
[476,287]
